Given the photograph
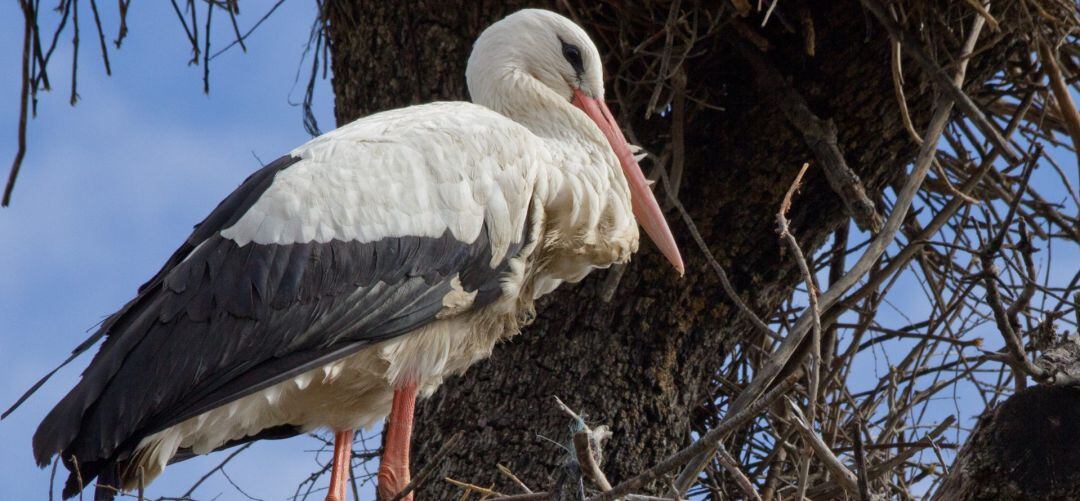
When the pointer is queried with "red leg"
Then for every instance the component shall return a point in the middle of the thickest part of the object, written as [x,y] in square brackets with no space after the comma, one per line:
[342,461]
[394,465]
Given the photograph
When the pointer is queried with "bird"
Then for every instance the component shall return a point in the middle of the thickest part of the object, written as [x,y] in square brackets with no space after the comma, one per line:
[347,278]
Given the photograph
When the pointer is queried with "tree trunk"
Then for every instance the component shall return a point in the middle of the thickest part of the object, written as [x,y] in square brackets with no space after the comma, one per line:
[1026,448]
[643,363]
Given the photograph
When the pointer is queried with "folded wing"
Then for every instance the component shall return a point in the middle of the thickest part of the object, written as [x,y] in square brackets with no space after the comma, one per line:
[352,239]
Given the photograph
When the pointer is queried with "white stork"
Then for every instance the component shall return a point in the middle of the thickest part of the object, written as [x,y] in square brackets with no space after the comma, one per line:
[364,267]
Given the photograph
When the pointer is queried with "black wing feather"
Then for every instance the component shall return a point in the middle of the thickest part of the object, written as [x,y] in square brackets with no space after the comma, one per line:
[221,321]
[224,215]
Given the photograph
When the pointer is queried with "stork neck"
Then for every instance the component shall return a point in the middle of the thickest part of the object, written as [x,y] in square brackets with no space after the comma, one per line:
[525,100]
[584,184]
[584,194]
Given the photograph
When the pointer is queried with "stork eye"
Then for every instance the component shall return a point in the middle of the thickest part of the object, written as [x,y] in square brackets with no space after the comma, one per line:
[573,55]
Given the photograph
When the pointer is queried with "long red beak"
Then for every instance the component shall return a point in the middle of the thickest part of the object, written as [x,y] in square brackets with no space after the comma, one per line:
[646,210]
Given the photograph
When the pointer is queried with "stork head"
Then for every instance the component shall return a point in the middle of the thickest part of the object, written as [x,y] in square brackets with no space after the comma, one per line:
[557,53]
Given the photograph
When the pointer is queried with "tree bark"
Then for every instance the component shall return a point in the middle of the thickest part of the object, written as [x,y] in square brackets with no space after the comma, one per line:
[644,363]
[1023,449]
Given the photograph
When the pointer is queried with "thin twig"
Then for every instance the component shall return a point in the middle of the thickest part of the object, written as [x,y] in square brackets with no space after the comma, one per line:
[251,30]
[232,7]
[206,49]
[860,458]
[975,4]
[509,474]
[101,37]
[725,282]
[898,88]
[74,53]
[24,98]
[732,466]
[1066,106]
[484,490]
[191,490]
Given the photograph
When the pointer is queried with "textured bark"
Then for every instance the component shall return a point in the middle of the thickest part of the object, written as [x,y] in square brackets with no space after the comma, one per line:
[1024,449]
[644,362]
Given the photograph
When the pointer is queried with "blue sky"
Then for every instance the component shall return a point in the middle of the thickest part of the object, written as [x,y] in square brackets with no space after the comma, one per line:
[110,187]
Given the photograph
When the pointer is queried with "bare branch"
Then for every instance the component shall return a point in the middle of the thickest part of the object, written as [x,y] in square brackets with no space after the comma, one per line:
[24,99]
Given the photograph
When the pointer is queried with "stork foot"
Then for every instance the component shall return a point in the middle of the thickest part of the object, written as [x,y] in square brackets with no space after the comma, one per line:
[394,466]
[392,481]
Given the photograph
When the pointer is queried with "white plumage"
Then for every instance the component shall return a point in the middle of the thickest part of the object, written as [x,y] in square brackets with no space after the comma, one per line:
[414,171]
[368,265]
